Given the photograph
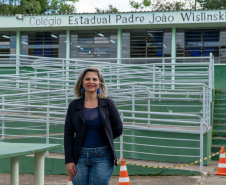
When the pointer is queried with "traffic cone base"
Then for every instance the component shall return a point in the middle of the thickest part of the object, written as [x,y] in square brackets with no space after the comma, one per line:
[222,163]
[123,176]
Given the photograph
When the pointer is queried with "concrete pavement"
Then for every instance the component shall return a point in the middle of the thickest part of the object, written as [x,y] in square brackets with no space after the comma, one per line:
[134,180]
[208,178]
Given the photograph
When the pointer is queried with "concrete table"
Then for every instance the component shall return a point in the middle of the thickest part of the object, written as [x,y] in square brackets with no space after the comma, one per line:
[14,150]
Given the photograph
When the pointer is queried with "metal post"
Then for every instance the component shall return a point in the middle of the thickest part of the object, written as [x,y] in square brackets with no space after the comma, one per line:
[153,79]
[17,71]
[3,117]
[121,141]
[211,75]
[133,115]
[149,108]
[35,73]
[68,56]
[201,144]
[163,73]
[48,81]
[63,69]
[173,55]
[47,128]
[29,95]
[204,103]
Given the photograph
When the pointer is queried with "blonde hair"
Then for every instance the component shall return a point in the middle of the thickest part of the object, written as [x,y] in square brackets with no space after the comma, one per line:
[78,86]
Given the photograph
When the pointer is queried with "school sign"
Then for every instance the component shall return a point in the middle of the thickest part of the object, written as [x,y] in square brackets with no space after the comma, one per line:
[134,18]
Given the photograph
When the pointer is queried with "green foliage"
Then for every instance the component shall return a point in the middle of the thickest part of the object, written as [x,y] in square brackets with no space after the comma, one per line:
[29,7]
[214,133]
[164,5]
[212,4]
[36,6]
[110,10]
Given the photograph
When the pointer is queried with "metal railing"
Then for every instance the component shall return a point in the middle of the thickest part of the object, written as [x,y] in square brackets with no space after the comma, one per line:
[153,96]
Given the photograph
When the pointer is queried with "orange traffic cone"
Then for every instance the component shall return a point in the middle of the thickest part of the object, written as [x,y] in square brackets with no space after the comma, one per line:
[222,163]
[69,181]
[123,177]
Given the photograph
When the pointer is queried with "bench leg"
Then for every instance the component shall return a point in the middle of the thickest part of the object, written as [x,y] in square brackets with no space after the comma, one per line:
[39,167]
[14,170]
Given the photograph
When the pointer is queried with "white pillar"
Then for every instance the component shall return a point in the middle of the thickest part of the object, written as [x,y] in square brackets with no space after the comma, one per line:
[14,171]
[39,168]
[119,46]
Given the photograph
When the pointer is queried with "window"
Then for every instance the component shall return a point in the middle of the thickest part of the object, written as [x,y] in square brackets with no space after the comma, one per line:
[94,44]
[146,43]
[44,44]
[201,42]
[7,43]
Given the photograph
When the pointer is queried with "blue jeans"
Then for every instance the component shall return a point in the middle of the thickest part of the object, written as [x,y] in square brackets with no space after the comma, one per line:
[95,166]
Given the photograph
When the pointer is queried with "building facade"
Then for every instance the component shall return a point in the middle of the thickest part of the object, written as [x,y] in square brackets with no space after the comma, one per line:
[122,35]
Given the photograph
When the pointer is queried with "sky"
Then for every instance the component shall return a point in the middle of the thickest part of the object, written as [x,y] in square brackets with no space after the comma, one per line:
[88,6]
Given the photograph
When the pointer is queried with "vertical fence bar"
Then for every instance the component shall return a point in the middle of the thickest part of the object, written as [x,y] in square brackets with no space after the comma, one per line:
[201,144]
[17,70]
[3,117]
[133,115]
[149,108]
[29,96]
[121,141]
[121,147]
[63,69]
[47,128]
[163,73]
[35,68]
[210,75]
[153,79]
[204,103]
[48,83]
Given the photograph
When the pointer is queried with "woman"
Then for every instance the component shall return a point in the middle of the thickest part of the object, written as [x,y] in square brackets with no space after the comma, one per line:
[92,122]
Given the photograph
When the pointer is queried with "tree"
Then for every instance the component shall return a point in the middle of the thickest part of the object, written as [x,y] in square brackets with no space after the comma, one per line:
[212,4]
[36,6]
[110,10]
[163,5]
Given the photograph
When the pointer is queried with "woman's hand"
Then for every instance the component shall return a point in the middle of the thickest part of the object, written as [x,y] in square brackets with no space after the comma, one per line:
[70,167]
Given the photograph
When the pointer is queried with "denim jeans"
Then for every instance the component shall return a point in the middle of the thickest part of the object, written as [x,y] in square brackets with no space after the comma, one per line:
[95,166]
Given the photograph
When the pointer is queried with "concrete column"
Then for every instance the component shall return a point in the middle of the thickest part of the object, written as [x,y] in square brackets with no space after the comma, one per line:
[18,42]
[119,46]
[18,52]
[68,54]
[68,44]
[39,168]
[14,171]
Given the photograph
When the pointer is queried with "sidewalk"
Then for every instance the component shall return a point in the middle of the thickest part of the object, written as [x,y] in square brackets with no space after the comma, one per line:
[134,180]
[208,177]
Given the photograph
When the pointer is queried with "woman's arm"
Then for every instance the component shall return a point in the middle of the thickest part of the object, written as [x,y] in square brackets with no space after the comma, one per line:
[115,120]
[68,136]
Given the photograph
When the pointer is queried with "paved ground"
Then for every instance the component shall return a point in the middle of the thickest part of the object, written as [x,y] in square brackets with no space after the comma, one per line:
[208,178]
[134,180]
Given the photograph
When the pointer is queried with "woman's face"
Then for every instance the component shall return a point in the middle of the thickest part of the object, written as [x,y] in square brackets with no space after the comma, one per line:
[91,82]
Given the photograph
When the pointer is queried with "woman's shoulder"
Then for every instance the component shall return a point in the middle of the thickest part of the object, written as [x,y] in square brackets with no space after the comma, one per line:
[75,101]
[109,101]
